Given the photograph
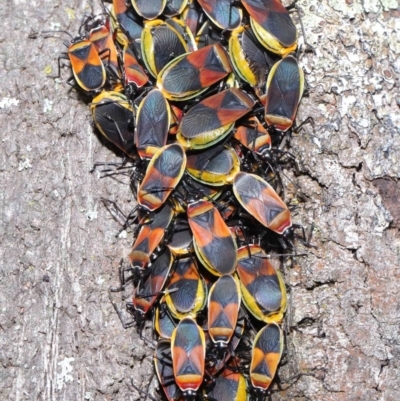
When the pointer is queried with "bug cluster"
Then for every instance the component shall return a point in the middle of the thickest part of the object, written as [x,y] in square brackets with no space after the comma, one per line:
[199,95]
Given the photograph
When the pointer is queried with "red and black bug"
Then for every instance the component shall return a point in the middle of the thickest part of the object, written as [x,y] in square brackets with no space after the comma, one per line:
[103,41]
[214,166]
[186,292]
[254,136]
[147,291]
[152,125]
[265,357]
[134,75]
[86,64]
[213,241]
[261,201]
[127,25]
[213,118]
[149,288]
[262,286]
[223,310]
[250,60]
[162,176]
[113,116]
[272,25]
[152,232]
[188,352]
[191,74]
[161,43]
[285,88]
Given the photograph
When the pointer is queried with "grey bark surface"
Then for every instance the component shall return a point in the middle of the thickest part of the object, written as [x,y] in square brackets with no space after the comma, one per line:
[60,336]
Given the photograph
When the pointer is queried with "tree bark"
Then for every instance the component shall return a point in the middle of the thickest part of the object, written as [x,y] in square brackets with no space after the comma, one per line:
[61,338]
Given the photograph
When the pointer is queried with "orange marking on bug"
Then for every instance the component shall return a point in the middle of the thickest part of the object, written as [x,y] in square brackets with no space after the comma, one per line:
[220,228]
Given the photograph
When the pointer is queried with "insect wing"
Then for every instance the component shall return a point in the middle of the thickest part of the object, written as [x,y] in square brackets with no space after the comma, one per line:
[266,355]
[222,13]
[262,202]
[174,7]
[214,167]
[87,67]
[229,386]
[164,323]
[162,176]
[127,25]
[254,136]
[272,25]
[102,39]
[113,117]
[148,290]
[285,87]
[212,119]
[149,237]
[149,9]
[152,125]
[213,241]
[186,290]
[250,60]
[262,286]
[164,371]
[216,111]
[188,355]
[223,309]
[160,44]
[133,71]
[191,74]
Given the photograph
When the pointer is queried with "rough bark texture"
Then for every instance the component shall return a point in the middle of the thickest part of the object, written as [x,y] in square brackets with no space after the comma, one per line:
[60,337]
